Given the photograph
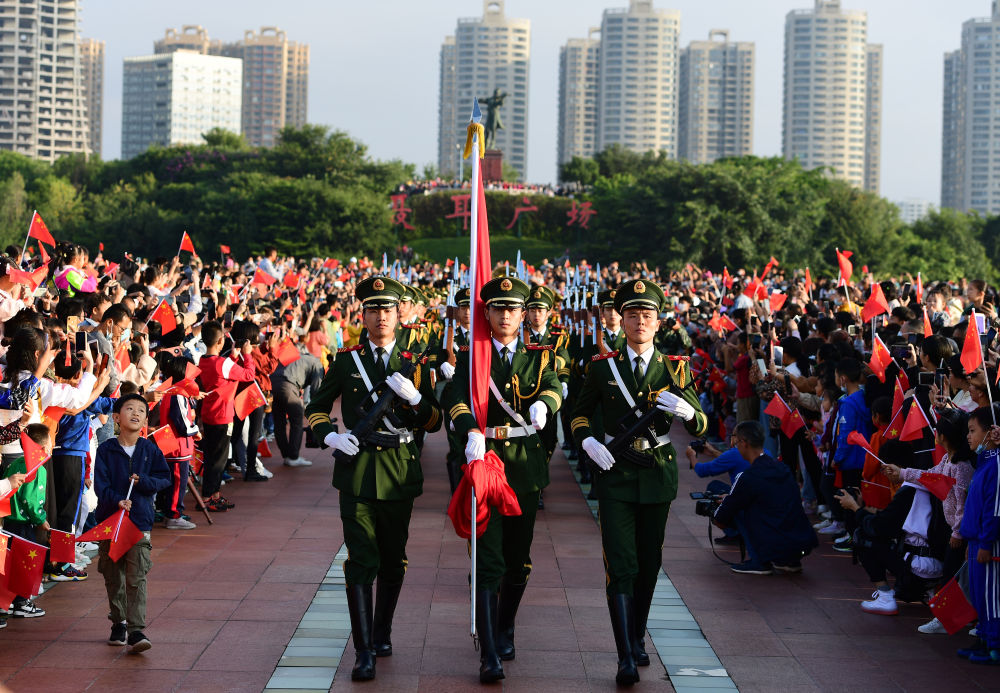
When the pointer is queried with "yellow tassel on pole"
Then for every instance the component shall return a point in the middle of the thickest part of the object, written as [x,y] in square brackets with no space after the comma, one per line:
[473,130]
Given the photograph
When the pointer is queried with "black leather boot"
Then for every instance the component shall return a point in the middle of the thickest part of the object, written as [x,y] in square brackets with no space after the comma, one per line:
[623,624]
[359,603]
[643,600]
[386,596]
[510,600]
[490,668]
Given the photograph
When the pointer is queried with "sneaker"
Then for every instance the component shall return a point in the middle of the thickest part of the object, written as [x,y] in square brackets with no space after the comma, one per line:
[789,567]
[809,507]
[822,510]
[845,547]
[845,539]
[985,656]
[27,609]
[88,546]
[751,567]
[728,541]
[974,631]
[179,523]
[255,477]
[226,502]
[932,626]
[263,471]
[881,603]
[138,642]
[118,634]
[3,623]
[159,517]
[822,524]
[298,462]
[967,652]
[67,574]
[226,477]
[214,506]
[834,528]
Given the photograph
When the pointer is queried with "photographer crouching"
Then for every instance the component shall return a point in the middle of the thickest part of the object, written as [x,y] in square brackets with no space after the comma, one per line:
[765,506]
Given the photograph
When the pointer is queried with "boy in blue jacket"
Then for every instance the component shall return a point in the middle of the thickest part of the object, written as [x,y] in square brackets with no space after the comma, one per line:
[126,458]
[846,461]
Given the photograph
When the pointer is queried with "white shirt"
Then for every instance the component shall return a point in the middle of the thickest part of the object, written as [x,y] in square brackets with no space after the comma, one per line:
[510,348]
[645,357]
[538,335]
[388,350]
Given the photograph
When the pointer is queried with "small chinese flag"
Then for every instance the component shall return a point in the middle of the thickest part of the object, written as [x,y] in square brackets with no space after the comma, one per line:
[291,280]
[248,400]
[262,277]
[880,360]
[34,456]
[38,276]
[777,300]
[100,247]
[928,330]
[165,440]
[165,316]
[111,268]
[777,407]
[875,305]
[727,279]
[122,358]
[263,449]
[225,249]
[191,371]
[119,530]
[846,267]
[187,245]
[938,484]
[62,546]
[898,397]
[24,573]
[44,255]
[767,268]
[972,354]
[226,389]
[286,352]
[916,422]
[19,276]
[856,438]
[791,424]
[187,387]
[919,289]
[39,230]
[809,283]
[951,607]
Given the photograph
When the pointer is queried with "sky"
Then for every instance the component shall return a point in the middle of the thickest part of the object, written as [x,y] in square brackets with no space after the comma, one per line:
[374,65]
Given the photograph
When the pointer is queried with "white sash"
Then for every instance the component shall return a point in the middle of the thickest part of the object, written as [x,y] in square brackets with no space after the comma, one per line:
[621,386]
[507,408]
[368,386]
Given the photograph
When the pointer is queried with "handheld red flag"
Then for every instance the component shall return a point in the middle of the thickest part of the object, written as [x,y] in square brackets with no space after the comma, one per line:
[856,438]
[880,360]
[262,277]
[27,560]
[34,456]
[972,353]
[777,407]
[191,371]
[286,352]
[119,530]
[187,245]
[809,283]
[916,422]
[44,255]
[225,249]
[481,354]
[919,289]
[898,396]
[767,268]
[248,400]
[846,267]
[727,279]
[38,229]
[928,331]
[165,440]
[62,546]
[777,300]
[791,424]
[226,390]
[263,449]
[165,316]
[291,280]
[938,484]
[952,608]
[875,305]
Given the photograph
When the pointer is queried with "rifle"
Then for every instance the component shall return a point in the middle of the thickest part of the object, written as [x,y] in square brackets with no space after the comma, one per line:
[635,428]
[381,408]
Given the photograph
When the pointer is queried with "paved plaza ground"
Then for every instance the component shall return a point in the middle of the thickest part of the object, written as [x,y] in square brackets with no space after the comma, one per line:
[256,602]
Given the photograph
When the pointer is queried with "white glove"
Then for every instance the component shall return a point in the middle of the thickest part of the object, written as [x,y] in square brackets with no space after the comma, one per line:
[475,449]
[345,442]
[598,452]
[565,389]
[404,387]
[447,370]
[672,404]
[538,413]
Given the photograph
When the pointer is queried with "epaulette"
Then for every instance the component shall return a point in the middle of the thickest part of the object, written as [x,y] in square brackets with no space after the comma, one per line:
[601,357]
[678,358]
[463,348]
[539,347]
[356,347]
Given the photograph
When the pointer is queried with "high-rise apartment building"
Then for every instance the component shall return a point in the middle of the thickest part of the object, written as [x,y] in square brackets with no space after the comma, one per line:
[275,76]
[833,87]
[637,78]
[578,66]
[92,63]
[715,105]
[486,53]
[175,98]
[970,142]
[43,111]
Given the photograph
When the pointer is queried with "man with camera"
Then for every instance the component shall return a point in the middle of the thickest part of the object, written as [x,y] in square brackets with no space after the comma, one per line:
[765,506]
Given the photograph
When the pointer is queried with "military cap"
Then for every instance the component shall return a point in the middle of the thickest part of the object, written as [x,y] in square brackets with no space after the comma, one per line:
[541,297]
[407,293]
[379,292]
[418,296]
[504,291]
[606,298]
[463,296]
[639,293]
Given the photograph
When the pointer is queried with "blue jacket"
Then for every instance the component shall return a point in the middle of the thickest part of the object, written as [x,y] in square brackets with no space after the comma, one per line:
[730,461]
[767,498]
[112,470]
[981,521]
[852,415]
[73,437]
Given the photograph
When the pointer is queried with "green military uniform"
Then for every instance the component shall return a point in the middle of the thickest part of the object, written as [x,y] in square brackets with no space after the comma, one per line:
[543,297]
[456,452]
[634,500]
[673,339]
[377,486]
[503,560]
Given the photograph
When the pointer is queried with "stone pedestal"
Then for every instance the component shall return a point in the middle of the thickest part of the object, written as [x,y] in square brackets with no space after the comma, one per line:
[493,166]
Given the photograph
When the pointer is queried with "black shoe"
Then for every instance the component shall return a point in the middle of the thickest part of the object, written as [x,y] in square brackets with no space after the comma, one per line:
[386,597]
[622,610]
[119,633]
[359,604]
[728,541]
[138,642]
[507,605]
[642,601]
[490,667]
[255,477]
[541,503]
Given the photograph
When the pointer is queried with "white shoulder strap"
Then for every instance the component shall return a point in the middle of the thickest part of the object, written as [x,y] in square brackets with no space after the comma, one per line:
[506,407]
[368,385]
[621,386]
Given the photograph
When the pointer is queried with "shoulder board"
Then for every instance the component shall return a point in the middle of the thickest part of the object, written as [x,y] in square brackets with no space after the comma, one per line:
[539,347]
[356,347]
[678,358]
[558,326]
[464,347]
[602,357]
[423,361]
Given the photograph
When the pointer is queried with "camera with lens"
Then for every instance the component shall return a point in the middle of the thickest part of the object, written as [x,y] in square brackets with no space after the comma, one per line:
[705,503]
[698,445]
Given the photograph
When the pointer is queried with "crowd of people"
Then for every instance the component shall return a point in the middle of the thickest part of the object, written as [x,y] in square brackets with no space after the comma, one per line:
[845,402]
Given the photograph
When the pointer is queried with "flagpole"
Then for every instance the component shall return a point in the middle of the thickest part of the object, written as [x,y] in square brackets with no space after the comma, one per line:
[131,483]
[27,238]
[974,325]
[475,174]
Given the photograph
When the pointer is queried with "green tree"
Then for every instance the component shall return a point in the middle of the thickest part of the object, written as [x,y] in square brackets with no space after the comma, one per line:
[579,169]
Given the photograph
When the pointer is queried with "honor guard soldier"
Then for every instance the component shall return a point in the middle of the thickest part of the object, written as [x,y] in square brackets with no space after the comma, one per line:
[634,490]
[460,342]
[524,394]
[377,482]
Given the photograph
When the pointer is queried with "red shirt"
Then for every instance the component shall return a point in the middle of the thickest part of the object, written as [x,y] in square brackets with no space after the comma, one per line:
[216,370]
[742,368]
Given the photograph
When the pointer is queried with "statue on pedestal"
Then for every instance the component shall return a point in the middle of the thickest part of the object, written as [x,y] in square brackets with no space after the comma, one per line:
[493,122]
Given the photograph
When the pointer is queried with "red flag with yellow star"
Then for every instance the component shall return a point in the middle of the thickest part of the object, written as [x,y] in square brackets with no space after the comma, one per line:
[61,546]
[24,572]
[119,530]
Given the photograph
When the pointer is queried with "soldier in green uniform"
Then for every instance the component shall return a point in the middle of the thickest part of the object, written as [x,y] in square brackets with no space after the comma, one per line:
[531,394]
[456,451]
[634,499]
[409,331]
[672,337]
[378,484]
